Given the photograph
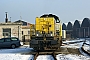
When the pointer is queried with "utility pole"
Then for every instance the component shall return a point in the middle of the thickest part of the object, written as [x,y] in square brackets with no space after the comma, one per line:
[20,16]
[10,19]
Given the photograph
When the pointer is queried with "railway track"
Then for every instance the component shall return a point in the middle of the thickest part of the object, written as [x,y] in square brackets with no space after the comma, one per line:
[49,52]
[39,53]
[46,53]
[67,51]
[63,50]
[84,52]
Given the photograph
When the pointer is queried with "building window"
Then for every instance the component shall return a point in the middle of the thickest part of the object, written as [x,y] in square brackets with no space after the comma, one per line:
[22,32]
[28,32]
[7,32]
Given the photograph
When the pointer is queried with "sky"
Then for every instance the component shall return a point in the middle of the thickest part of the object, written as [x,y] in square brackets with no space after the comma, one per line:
[28,10]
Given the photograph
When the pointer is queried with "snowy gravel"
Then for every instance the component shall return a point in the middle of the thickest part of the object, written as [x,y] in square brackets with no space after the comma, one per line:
[14,54]
[71,57]
[42,57]
[75,45]
[14,57]
[45,57]
[86,47]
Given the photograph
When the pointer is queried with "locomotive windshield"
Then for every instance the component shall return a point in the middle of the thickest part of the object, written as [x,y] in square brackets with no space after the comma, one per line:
[51,15]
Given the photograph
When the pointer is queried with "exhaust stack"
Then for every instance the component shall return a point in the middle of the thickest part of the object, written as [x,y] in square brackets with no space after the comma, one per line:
[6,19]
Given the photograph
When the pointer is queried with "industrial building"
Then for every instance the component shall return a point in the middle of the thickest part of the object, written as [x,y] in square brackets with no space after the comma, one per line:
[10,30]
[80,29]
[19,29]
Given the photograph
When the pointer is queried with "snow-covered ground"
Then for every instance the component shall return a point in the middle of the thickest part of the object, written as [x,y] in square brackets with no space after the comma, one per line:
[72,57]
[14,57]
[73,44]
[42,57]
[86,45]
[21,49]
[14,54]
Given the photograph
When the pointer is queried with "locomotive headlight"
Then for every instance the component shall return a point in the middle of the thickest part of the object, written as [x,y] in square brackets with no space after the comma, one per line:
[51,34]
[36,34]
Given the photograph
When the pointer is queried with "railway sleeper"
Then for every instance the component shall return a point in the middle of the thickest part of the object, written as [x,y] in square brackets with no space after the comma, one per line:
[45,53]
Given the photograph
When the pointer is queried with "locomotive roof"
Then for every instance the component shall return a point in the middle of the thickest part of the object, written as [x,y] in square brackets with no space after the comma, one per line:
[50,15]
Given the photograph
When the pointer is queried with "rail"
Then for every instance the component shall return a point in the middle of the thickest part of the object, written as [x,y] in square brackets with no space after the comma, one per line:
[84,51]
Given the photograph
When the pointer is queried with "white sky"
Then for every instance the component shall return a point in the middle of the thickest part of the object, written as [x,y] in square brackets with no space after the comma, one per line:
[67,10]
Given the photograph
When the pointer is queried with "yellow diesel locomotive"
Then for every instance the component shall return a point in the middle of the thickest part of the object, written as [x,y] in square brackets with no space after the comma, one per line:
[46,33]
